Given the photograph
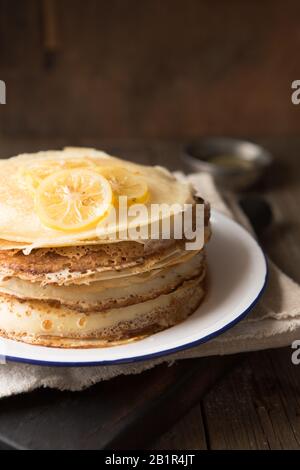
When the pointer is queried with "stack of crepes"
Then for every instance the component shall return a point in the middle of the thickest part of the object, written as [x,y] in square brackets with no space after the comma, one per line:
[64,281]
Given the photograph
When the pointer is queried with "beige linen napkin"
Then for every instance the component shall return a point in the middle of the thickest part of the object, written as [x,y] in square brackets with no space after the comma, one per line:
[274,322]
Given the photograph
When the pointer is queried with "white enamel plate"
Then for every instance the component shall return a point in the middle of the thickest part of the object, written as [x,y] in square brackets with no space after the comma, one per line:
[237,276]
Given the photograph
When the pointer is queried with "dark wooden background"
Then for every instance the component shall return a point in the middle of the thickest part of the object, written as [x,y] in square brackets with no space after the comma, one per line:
[151,68]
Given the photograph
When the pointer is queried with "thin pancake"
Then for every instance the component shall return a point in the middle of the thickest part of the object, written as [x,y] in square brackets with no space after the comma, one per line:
[103,295]
[20,223]
[88,264]
[81,258]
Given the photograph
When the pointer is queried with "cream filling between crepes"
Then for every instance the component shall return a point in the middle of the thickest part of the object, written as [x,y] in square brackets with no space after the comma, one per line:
[36,318]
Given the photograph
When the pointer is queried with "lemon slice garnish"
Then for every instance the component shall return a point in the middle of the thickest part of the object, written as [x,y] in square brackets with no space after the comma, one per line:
[73,200]
[36,172]
[126,183]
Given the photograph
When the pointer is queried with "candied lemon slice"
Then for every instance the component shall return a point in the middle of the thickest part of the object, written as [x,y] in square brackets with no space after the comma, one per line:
[126,183]
[36,172]
[73,200]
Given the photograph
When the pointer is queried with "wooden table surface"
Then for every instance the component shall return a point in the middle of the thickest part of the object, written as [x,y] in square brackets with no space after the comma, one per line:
[257,404]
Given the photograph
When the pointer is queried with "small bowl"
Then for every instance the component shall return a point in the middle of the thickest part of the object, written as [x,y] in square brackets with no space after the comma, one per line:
[234,164]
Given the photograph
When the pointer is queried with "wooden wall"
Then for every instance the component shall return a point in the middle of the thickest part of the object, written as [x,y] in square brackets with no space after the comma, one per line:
[149,68]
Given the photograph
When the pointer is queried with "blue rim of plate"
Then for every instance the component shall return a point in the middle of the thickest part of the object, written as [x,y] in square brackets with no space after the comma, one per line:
[155,355]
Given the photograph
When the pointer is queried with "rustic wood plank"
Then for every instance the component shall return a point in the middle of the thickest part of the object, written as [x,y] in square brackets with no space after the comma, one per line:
[231,417]
[187,434]
[257,405]
[268,401]
[289,388]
